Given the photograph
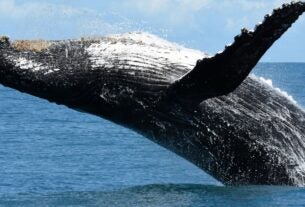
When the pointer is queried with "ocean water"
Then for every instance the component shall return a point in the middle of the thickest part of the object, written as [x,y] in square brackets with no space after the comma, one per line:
[53,156]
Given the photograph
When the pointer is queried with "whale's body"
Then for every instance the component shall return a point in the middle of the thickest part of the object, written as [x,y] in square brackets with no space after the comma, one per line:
[234,126]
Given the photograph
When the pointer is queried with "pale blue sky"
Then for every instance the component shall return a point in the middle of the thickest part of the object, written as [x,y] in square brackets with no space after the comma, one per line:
[206,25]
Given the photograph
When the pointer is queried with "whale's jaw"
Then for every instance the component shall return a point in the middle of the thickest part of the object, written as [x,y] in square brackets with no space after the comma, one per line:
[208,111]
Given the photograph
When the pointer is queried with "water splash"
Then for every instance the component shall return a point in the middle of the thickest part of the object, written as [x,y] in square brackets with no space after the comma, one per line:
[269,83]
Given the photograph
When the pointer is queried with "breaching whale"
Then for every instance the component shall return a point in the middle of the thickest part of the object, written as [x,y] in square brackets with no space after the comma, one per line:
[207,109]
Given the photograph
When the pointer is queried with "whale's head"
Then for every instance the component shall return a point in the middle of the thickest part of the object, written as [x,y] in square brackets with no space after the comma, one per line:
[121,75]
[115,77]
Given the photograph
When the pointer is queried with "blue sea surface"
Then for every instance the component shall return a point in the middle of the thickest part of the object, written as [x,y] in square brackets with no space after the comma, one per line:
[53,156]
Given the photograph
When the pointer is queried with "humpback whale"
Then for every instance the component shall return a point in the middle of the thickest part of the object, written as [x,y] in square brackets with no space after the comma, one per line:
[206,109]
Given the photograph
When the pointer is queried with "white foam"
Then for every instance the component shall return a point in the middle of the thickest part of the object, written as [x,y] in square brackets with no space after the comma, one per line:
[281,92]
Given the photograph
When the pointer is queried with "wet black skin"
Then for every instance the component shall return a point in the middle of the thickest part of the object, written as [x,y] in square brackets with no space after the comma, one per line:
[232,126]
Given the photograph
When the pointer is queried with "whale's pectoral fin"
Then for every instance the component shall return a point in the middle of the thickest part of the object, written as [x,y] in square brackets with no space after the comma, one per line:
[223,73]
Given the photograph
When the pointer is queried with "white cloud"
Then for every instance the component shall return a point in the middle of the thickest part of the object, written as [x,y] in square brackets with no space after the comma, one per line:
[193,5]
[156,6]
[172,11]
[48,19]
[181,11]
[12,9]
[150,6]
[232,14]
[7,6]
[248,11]
[245,5]
[232,23]
[250,5]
